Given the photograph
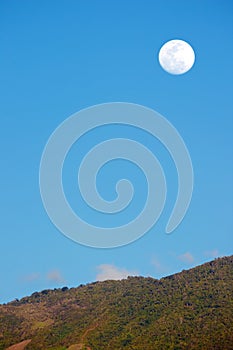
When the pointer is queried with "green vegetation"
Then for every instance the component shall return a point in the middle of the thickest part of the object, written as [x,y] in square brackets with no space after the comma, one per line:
[189,310]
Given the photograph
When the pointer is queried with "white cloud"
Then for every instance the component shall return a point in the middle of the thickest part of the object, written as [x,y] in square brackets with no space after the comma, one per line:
[212,253]
[186,257]
[111,272]
[55,276]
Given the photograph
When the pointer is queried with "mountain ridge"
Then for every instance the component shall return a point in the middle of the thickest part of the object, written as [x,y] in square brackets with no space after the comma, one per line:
[188,310]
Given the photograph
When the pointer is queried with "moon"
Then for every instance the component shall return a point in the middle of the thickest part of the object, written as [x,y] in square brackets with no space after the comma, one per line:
[176,57]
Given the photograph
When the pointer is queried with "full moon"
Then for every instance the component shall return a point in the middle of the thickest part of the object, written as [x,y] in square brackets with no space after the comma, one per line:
[176,57]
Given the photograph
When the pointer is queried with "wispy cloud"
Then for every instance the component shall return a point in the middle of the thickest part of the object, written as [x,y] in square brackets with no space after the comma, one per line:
[111,272]
[211,253]
[55,276]
[186,258]
[31,277]
[157,265]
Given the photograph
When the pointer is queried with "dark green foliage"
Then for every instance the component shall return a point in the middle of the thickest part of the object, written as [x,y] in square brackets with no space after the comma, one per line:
[190,310]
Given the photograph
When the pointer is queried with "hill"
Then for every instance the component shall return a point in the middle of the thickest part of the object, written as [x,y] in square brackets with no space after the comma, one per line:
[189,310]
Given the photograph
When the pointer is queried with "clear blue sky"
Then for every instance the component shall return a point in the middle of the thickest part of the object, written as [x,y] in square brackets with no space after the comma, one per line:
[58,57]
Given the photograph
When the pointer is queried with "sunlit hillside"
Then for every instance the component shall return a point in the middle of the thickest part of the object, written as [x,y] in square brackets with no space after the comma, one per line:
[189,310]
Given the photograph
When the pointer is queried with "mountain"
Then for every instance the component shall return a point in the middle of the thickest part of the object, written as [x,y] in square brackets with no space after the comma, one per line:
[189,310]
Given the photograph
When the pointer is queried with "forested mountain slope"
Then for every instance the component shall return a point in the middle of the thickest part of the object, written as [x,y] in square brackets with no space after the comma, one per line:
[189,310]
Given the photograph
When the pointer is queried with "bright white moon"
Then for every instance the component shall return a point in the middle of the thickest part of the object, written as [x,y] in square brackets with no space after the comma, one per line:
[176,57]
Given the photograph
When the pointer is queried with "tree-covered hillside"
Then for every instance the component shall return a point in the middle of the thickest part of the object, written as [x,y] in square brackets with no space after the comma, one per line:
[189,310]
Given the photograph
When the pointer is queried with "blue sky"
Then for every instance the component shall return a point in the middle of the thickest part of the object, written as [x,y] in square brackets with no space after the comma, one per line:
[58,57]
